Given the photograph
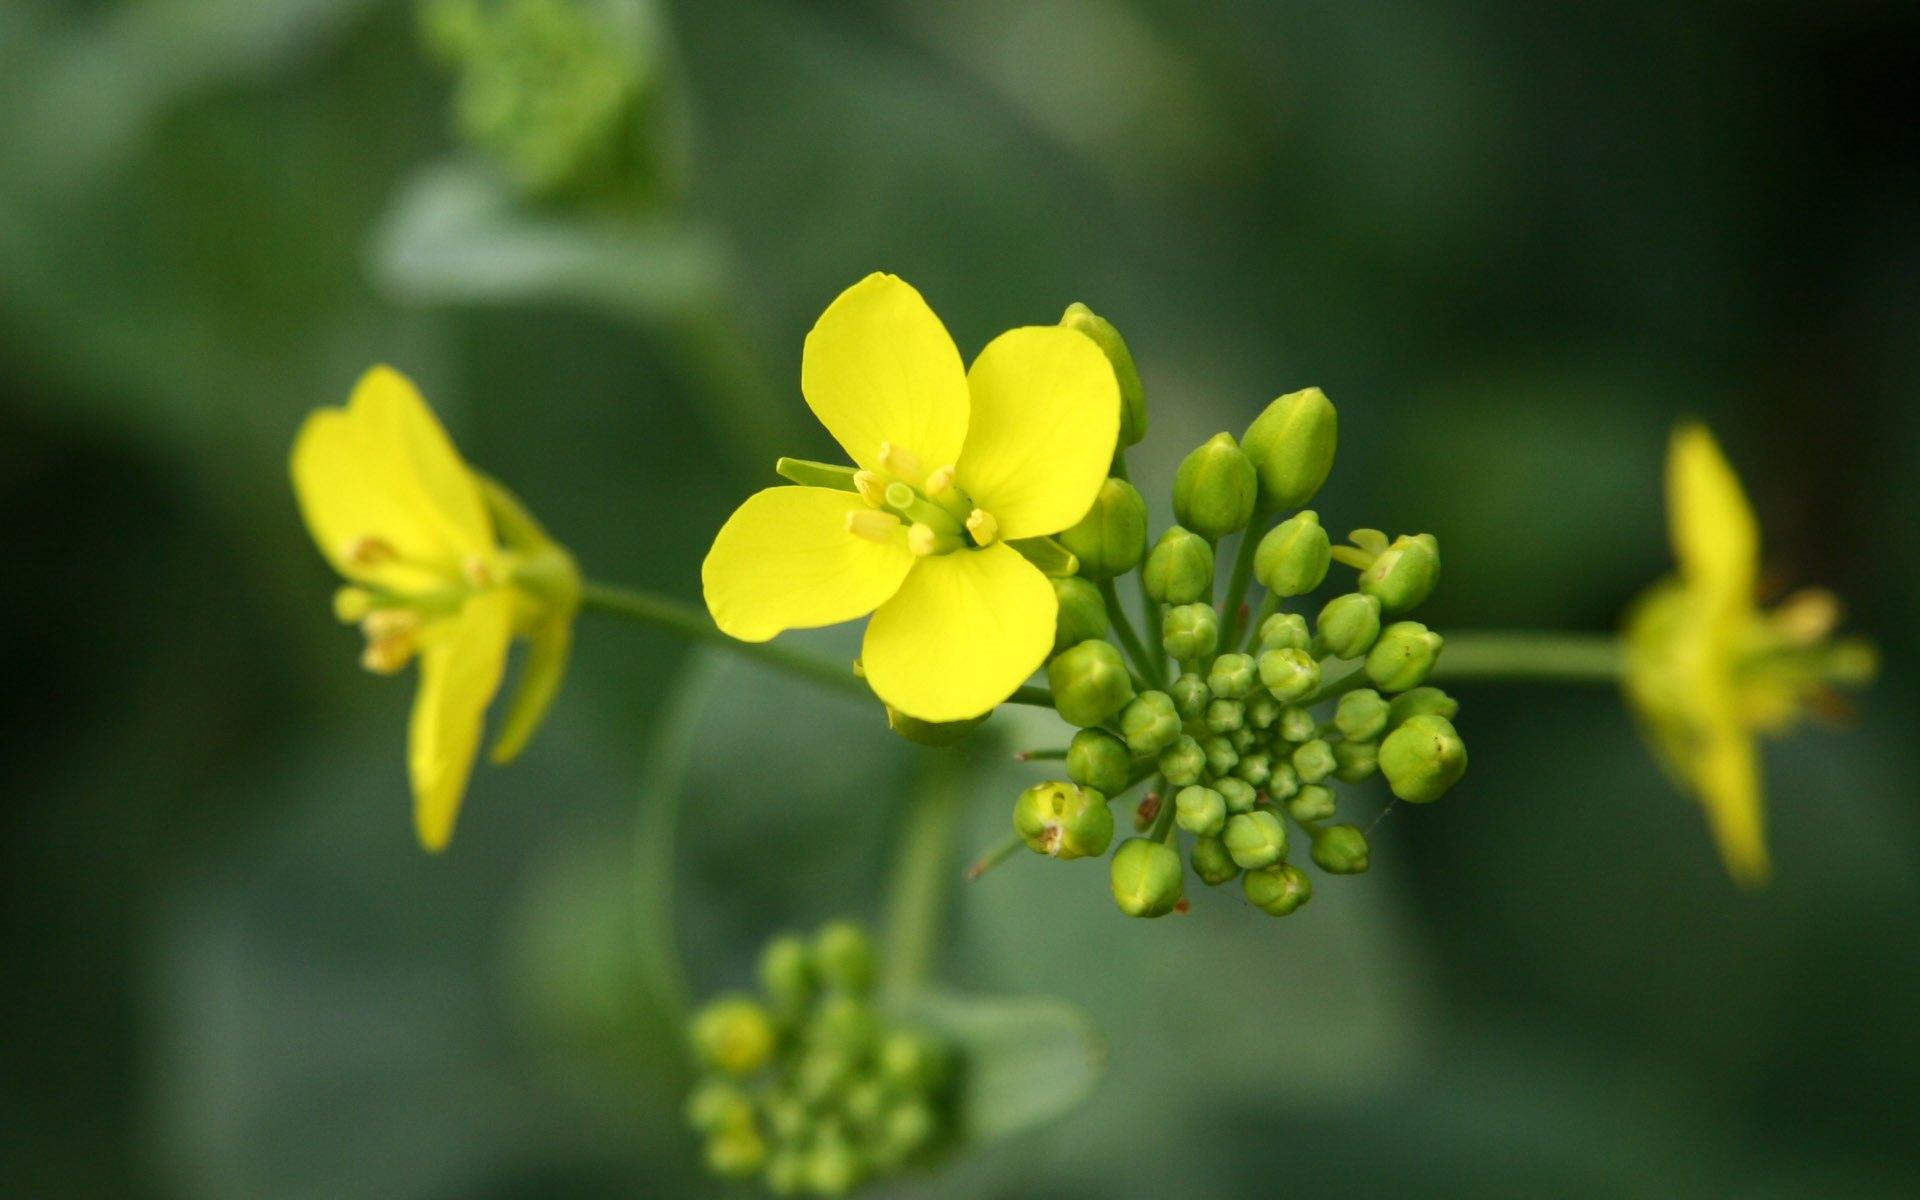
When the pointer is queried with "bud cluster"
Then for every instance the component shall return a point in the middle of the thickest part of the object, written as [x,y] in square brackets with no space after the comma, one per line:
[1247,709]
[809,1085]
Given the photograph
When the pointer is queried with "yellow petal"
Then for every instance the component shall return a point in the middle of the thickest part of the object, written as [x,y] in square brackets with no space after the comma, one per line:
[880,367]
[460,669]
[383,468]
[1713,530]
[1045,416]
[1726,772]
[965,630]
[786,560]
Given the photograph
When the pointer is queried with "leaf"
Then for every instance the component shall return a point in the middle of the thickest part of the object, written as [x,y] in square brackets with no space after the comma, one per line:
[1029,1059]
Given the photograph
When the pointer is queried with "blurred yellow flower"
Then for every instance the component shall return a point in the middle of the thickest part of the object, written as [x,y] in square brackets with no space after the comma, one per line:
[1707,670]
[953,464]
[444,565]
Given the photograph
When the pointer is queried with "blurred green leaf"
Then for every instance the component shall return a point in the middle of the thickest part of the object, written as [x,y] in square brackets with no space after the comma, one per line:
[1029,1060]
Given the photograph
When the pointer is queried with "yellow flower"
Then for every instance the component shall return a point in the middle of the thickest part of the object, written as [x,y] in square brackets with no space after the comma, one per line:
[443,565]
[953,464]
[1708,670]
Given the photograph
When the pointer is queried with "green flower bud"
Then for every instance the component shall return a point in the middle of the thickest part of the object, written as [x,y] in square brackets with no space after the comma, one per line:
[1311,803]
[1211,862]
[1096,759]
[1179,569]
[1182,763]
[1225,716]
[716,1104]
[834,1168]
[1254,768]
[1083,614]
[1200,811]
[786,1172]
[1133,398]
[1062,820]
[1090,683]
[1191,695]
[821,1074]
[1405,574]
[1243,740]
[1313,761]
[931,733]
[733,1034]
[1277,890]
[737,1151]
[786,972]
[1255,839]
[1239,795]
[1419,701]
[1146,878]
[1221,756]
[1361,716]
[787,1116]
[1289,674]
[1110,540]
[1423,758]
[1284,631]
[1293,558]
[1402,657]
[1340,850]
[1150,723]
[1215,488]
[1232,676]
[1298,725]
[864,1102]
[1355,762]
[907,1129]
[1349,624]
[1282,781]
[1190,632]
[843,957]
[1263,709]
[1291,446]
[913,1061]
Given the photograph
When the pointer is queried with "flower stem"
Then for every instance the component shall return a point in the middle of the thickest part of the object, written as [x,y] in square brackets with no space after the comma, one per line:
[994,857]
[1529,656]
[921,879]
[1237,586]
[1148,666]
[686,621]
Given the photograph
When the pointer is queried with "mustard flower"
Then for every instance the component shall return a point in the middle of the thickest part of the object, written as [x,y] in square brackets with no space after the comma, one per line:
[955,467]
[1708,670]
[444,566]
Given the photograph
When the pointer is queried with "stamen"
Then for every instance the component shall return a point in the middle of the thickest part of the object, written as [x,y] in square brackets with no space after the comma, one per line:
[901,463]
[873,525]
[940,482]
[983,527]
[871,487]
[926,541]
[388,655]
[1807,616]
[350,604]
[368,551]
[478,572]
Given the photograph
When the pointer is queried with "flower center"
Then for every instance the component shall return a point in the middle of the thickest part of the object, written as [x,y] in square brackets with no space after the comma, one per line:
[939,517]
[393,621]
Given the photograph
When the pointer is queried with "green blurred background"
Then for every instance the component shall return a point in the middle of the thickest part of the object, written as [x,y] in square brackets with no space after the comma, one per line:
[1514,242]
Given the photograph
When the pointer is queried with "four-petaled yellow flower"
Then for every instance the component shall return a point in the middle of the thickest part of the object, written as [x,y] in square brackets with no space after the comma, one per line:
[1708,670]
[953,465]
[443,565]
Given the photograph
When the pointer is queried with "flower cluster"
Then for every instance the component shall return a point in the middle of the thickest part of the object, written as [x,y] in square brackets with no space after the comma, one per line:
[1269,709]
[811,1086]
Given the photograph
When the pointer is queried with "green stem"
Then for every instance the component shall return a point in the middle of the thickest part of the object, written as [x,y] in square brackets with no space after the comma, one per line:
[1529,656]
[1163,819]
[684,620]
[1148,604]
[1031,694]
[994,857]
[1129,640]
[917,891]
[1054,755]
[1242,576]
[1268,606]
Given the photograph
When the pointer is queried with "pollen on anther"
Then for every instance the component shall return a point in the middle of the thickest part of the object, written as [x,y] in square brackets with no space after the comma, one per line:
[873,525]
[368,551]
[901,463]
[982,526]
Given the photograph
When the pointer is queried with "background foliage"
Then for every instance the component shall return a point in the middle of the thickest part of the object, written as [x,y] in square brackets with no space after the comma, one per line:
[1513,244]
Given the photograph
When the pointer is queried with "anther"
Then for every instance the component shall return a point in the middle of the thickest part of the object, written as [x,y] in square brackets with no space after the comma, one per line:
[873,525]
[925,541]
[901,463]
[368,551]
[388,655]
[350,604]
[983,527]
[940,482]
[385,623]
[871,487]
[478,573]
